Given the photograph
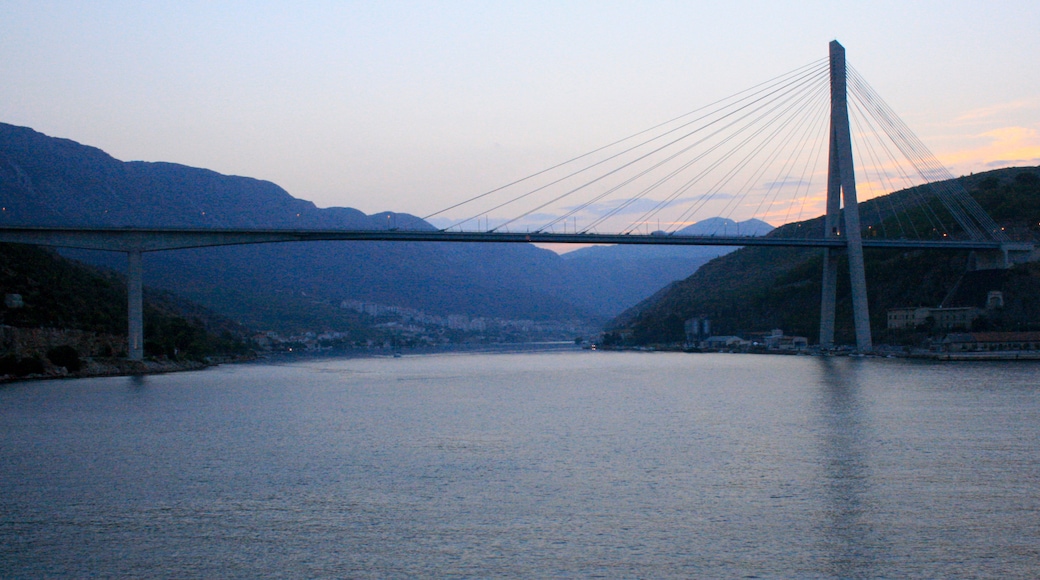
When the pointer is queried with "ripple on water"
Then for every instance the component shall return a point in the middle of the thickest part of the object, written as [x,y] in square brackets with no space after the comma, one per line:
[535,465]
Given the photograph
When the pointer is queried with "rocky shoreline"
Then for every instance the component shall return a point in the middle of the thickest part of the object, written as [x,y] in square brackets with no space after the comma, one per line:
[55,353]
[121,367]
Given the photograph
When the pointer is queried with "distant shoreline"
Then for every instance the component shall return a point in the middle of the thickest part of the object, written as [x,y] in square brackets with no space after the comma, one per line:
[121,367]
[117,367]
[980,356]
[504,348]
[1010,355]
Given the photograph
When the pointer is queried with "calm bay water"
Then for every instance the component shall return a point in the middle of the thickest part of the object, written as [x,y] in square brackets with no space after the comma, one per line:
[576,464]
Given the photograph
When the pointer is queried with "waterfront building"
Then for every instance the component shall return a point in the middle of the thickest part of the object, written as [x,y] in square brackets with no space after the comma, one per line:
[991,341]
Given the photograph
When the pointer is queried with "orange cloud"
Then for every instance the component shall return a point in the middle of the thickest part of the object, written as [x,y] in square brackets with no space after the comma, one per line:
[1003,147]
[984,113]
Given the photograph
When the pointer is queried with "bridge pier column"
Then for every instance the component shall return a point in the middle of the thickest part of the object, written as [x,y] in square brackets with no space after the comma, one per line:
[135,306]
[858,280]
[828,297]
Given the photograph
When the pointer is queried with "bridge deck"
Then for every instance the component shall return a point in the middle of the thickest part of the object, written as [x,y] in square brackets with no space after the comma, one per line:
[134,241]
[157,239]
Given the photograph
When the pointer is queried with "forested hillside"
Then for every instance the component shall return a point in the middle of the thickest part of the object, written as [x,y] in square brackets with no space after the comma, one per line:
[757,288]
[51,181]
[51,301]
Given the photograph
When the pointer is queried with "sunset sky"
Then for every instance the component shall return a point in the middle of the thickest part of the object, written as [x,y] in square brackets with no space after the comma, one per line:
[411,106]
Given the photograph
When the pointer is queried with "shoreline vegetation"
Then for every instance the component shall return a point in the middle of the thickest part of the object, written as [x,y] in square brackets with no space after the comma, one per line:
[60,318]
[121,367]
[51,353]
[93,367]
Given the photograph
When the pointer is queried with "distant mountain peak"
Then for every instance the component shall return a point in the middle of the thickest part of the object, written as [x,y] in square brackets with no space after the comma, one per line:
[720,226]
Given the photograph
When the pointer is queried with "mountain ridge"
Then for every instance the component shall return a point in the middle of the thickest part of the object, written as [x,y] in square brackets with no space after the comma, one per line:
[52,181]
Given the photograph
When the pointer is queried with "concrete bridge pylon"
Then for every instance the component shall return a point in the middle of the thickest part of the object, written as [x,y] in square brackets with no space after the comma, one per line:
[839,224]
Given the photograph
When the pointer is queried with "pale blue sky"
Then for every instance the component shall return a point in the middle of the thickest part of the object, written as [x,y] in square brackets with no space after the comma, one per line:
[409,106]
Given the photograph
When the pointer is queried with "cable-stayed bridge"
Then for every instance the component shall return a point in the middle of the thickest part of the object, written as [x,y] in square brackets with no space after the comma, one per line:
[780,151]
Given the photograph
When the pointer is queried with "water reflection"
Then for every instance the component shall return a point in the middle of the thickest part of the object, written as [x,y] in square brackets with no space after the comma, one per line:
[849,537]
[137,383]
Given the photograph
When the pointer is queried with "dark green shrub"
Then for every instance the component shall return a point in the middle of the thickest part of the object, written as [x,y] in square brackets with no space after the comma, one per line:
[29,366]
[8,364]
[65,356]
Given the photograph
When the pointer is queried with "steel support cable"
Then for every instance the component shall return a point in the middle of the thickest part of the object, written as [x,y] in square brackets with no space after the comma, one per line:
[908,149]
[685,166]
[625,166]
[768,161]
[953,190]
[885,175]
[646,191]
[926,171]
[712,191]
[780,80]
[815,154]
[912,189]
[779,184]
[984,223]
[921,167]
[618,169]
[915,191]
[882,175]
[797,153]
[893,127]
[947,191]
[878,173]
[805,196]
[909,185]
[793,99]
[719,184]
